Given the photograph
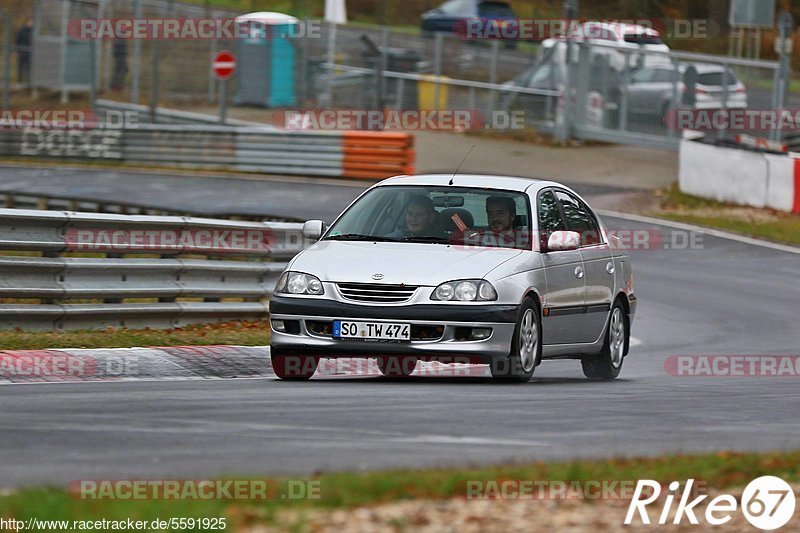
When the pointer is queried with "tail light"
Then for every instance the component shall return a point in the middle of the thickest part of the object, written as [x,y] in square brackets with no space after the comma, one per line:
[697,90]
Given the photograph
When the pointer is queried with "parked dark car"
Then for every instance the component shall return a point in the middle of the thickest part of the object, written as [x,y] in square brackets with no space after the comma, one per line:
[452,16]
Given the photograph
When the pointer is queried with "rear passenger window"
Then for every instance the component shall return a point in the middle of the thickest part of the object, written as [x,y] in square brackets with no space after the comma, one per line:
[580,219]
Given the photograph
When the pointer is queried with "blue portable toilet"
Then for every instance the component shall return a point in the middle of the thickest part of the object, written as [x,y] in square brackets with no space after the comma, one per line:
[266,60]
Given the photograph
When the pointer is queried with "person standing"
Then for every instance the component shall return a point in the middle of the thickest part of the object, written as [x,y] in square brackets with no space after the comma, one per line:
[24,42]
[120,52]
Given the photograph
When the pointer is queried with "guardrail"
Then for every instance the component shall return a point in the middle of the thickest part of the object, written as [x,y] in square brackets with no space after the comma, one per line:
[183,270]
[163,115]
[349,154]
[50,202]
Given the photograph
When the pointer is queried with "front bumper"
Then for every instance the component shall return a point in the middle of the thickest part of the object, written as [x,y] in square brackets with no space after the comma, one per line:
[449,321]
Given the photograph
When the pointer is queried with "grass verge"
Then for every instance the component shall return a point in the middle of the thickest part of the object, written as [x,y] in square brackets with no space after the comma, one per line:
[766,224]
[229,333]
[721,471]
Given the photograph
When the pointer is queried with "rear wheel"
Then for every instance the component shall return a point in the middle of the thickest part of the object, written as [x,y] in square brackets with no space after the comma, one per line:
[293,367]
[607,365]
[526,347]
[396,367]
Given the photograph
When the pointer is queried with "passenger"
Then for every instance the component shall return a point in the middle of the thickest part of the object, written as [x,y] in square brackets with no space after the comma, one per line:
[420,219]
[501,212]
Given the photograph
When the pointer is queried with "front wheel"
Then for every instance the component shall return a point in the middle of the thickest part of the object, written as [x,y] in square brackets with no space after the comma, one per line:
[396,367]
[526,348]
[293,367]
[607,365]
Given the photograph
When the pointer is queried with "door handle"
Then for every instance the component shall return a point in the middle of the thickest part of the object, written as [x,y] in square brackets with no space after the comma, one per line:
[579,272]
[610,268]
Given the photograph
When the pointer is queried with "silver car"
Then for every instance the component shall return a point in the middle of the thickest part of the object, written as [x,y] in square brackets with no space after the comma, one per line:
[458,269]
[699,86]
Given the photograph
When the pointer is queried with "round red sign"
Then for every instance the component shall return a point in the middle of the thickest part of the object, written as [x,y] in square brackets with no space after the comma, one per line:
[224,65]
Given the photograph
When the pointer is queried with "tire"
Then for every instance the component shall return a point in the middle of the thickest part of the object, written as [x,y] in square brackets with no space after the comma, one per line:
[607,365]
[397,367]
[293,367]
[526,347]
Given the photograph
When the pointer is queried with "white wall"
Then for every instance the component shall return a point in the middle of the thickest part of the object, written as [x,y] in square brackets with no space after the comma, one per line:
[737,176]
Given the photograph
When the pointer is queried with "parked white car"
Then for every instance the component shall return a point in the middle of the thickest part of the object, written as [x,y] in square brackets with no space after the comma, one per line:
[631,44]
[699,86]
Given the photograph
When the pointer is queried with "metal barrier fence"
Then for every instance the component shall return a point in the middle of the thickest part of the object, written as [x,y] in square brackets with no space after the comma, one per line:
[616,94]
[635,96]
[349,154]
[436,93]
[163,115]
[49,202]
[183,270]
[374,68]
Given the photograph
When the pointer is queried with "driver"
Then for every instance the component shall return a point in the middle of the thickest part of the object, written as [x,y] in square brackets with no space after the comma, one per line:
[420,219]
[501,212]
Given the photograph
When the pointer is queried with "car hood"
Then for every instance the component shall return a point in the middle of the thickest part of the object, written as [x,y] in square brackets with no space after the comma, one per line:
[408,263]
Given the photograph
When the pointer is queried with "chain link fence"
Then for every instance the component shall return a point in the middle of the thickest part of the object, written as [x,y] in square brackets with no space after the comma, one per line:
[609,95]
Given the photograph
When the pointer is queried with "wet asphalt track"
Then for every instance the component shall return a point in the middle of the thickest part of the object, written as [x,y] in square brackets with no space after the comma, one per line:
[728,298]
[204,194]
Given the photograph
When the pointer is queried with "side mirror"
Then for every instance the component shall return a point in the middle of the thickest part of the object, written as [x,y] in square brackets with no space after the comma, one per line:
[313,229]
[564,241]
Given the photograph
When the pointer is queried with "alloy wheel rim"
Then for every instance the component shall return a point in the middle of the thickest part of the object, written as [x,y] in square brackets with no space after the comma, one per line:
[617,337]
[528,340]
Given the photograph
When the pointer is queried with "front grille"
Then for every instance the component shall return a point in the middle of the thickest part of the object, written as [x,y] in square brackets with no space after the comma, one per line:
[370,292]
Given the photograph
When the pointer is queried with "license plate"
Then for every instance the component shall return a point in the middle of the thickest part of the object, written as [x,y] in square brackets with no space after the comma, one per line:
[346,329]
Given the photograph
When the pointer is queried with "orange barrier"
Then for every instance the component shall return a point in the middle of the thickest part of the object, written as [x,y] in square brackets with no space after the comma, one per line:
[377,154]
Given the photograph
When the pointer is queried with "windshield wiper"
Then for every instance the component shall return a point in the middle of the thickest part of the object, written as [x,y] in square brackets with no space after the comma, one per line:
[429,240]
[357,237]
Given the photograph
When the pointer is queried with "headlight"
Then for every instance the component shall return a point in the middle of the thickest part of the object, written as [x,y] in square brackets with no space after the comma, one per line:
[468,290]
[298,283]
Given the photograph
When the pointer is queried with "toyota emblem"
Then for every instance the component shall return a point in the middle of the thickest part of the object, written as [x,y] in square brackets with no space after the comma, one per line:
[377,276]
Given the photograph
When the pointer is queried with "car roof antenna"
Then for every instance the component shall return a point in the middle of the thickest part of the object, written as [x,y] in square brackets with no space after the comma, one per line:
[460,164]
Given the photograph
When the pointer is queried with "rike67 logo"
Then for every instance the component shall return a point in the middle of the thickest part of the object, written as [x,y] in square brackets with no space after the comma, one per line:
[768,503]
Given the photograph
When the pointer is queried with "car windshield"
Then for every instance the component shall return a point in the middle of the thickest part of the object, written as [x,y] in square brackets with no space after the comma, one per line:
[437,215]
[715,78]
[640,38]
